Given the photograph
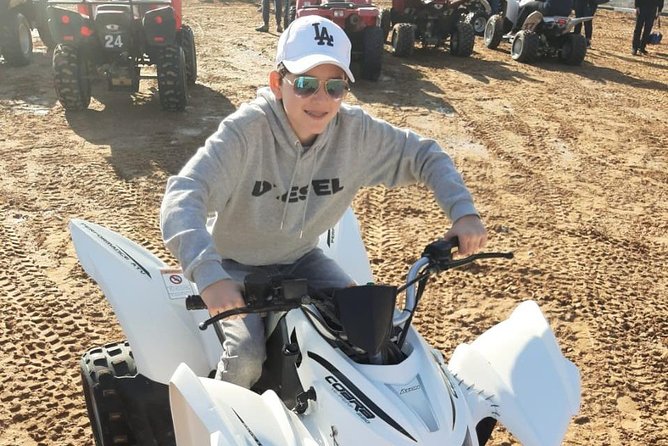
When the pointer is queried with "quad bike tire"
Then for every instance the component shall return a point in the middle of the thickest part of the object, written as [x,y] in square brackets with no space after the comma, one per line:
[372,52]
[462,40]
[188,45]
[385,22]
[524,47]
[71,78]
[493,31]
[478,21]
[172,79]
[573,49]
[15,38]
[403,39]
[106,410]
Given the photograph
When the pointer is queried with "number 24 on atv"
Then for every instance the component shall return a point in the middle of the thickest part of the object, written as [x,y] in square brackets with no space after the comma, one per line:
[114,40]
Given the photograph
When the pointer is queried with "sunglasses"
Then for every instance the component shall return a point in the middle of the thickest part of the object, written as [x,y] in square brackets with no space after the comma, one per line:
[306,86]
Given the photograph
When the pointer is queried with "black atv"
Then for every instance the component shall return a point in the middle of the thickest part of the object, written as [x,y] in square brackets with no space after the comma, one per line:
[432,23]
[113,40]
[17,19]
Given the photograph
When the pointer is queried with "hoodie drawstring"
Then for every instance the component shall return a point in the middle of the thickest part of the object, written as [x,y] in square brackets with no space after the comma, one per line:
[308,192]
[287,196]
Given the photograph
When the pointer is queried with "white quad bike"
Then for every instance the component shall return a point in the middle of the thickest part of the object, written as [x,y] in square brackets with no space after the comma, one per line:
[538,37]
[343,370]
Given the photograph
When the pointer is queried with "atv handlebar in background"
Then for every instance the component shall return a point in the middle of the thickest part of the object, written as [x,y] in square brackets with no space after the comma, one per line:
[282,294]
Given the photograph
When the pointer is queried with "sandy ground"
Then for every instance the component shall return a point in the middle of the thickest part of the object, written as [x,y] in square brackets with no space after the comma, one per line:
[569,167]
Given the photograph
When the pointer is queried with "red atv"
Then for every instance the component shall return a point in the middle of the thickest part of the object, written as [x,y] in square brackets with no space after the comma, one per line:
[360,19]
[433,23]
[114,40]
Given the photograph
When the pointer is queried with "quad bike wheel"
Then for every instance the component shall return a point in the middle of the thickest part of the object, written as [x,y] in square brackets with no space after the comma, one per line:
[462,40]
[372,52]
[188,45]
[493,31]
[524,47]
[574,49]
[108,417]
[15,38]
[172,79]
[477,20]
[385,22]
[403,39]
[71,78]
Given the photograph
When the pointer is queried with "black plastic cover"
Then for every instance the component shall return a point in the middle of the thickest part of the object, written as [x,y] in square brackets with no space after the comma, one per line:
[365,313]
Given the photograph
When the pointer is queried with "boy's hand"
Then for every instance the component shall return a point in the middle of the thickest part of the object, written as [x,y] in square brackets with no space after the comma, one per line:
[471,233]
[222,296]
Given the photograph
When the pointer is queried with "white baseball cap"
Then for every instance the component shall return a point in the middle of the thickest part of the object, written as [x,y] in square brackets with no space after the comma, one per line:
[310,41]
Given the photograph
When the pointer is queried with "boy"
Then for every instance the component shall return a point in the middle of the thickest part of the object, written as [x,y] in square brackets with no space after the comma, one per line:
[282,170]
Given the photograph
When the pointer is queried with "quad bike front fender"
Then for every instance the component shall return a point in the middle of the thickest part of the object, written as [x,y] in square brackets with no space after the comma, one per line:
[216,413]
[148,299]
[529,386]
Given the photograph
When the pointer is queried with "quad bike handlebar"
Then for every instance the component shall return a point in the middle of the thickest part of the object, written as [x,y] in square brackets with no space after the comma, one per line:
[284,294]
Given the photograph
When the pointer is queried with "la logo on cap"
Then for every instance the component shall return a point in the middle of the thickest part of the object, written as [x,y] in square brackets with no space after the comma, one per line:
[322,36]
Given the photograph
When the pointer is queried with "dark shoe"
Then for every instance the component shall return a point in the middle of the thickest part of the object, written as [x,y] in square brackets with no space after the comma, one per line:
[263,29]
[279,29]
[643,51]
[634,52]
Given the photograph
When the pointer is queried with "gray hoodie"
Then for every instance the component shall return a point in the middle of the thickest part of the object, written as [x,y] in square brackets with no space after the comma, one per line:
[273,197]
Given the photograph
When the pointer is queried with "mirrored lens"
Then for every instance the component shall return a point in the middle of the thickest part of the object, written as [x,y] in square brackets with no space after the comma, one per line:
[336,88]
[305,85]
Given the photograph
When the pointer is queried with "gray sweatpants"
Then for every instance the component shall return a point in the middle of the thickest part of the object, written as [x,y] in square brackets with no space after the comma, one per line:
[244,347]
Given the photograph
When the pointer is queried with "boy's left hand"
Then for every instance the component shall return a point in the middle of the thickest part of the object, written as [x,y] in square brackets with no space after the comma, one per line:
[471,233]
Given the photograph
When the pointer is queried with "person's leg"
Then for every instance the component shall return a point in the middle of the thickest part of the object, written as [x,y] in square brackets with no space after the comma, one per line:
[589,26]
[637,30]
[243,351]
[650,14]
[320,271]
[244,347]
[580,11]
[265,17]
[286,15]
[279,14]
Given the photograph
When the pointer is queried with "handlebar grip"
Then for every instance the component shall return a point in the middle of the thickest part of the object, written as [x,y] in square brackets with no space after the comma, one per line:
[195,302]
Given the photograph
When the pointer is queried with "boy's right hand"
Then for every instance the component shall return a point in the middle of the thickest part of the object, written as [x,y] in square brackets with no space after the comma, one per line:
[222,296]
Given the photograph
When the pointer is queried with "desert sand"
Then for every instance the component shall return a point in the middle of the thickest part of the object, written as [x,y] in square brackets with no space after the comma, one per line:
[568,165]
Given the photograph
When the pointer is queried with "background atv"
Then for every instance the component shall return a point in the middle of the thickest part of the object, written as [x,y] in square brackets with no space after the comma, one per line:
[432,23]
[17,19]
[114,40]
[476,14]
[360,20]
[539,37]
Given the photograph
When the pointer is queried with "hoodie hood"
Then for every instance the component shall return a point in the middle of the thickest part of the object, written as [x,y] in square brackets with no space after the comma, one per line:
[278,119]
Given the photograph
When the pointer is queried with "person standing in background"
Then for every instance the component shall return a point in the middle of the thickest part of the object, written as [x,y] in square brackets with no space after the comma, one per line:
[646,12]
[585,8]
[278,4]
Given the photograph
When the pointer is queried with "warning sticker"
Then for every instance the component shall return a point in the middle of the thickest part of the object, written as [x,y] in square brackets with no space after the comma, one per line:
[178,287]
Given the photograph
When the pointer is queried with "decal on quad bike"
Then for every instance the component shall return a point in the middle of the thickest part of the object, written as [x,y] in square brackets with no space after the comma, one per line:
[257,440]
[176,284]
[112,41]
[327,186]
[357,393]
[361,410]
[322,35]
[120,251]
